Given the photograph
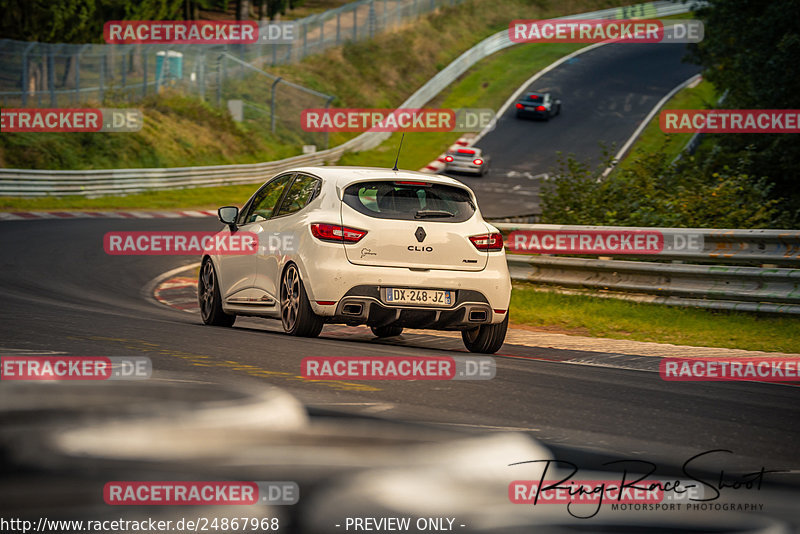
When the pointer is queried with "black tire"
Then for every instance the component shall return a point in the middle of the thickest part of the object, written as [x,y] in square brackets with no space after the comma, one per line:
[386,331]
[208,296]
[487,338]
[558,110]
[296,314]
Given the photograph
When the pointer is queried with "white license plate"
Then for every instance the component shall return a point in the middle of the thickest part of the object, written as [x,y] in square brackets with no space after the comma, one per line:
[419,297]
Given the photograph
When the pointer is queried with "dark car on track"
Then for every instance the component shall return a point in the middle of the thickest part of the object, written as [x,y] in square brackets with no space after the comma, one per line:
[538,106]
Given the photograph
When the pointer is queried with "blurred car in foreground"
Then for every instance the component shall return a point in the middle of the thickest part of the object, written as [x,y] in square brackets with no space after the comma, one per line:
[466,160]
[388,249]
[538,106]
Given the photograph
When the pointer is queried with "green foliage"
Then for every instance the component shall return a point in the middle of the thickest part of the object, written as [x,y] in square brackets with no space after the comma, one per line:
[652,191]
[750,49]
[77,21]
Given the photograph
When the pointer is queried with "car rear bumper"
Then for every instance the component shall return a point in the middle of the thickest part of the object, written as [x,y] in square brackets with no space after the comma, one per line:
[532,114]
[363,305]
[464,167]
[481,296]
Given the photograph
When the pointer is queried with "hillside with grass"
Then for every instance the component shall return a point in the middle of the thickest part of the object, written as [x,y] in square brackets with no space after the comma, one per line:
[185,131]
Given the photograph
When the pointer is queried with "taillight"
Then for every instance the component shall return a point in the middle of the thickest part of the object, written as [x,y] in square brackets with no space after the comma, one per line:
[448,159]
[478,161]
[540,108]
[488,242]
[336,233]
[519,106]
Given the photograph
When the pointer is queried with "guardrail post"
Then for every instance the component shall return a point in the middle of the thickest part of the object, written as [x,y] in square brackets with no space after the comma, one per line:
[305,39]
[338,27]
[322,35]
[272,105]
[355,23]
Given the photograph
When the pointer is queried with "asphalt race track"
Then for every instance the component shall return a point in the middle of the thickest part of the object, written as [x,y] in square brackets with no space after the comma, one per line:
[62,294]
[605,93]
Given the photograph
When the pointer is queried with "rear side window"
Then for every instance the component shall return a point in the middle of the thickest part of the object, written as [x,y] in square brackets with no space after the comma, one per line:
[463,153]
[299,194]
[392,200]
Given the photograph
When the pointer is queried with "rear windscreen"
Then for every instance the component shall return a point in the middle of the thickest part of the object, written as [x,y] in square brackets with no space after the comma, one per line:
[534,98]
[462,153]
[390,200]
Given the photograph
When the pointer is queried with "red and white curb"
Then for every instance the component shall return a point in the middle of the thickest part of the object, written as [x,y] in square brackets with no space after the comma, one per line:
[179,293]
[31,215]
[438,164]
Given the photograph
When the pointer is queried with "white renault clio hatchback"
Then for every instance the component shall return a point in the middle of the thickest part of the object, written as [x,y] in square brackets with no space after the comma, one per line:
[354,245]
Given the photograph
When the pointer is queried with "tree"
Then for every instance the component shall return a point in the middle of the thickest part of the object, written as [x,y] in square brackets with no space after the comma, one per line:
[653,191]
[750,49]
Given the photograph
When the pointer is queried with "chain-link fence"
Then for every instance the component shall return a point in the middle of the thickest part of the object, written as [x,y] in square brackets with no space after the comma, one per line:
[62,75]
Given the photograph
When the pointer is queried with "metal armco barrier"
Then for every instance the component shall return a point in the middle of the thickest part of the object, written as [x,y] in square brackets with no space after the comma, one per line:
[730,287]
[33,183]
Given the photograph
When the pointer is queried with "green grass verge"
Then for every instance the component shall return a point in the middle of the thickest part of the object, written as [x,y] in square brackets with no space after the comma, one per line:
[619,319]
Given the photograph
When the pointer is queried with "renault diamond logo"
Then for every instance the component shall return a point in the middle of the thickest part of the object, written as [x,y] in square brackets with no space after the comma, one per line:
[420,234]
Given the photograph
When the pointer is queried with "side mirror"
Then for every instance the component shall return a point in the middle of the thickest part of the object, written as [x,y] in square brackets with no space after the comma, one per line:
[228,215]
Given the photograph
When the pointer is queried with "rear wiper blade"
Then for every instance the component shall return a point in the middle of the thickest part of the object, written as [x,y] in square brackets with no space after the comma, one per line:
[424,214]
